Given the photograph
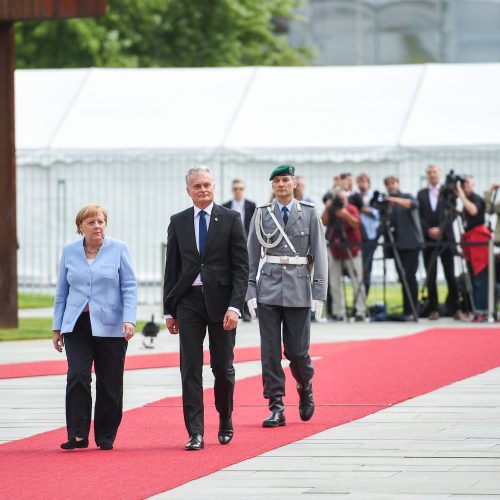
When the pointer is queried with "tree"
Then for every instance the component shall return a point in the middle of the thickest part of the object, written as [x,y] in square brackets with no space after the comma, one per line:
[150,33]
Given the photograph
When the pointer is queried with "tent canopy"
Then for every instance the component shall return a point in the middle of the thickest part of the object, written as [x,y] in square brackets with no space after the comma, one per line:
[305,108]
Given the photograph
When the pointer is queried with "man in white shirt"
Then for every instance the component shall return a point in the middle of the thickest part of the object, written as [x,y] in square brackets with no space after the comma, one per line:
[245,207]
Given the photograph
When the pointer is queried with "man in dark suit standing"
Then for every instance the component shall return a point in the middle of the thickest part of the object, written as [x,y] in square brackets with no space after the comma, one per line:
[436,219]
[245,207]
[206,275]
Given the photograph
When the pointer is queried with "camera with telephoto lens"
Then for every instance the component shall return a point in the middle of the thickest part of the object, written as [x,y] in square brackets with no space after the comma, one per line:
[449,187]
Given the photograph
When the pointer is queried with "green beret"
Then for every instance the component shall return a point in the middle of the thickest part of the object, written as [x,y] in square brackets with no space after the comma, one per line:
[285,169]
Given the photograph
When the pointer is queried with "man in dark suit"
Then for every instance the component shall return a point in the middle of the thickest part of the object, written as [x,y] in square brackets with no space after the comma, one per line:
[206,275]
[436,219]
[245,207]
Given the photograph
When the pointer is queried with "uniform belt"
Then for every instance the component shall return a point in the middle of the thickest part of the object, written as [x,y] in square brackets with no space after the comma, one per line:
[277,259]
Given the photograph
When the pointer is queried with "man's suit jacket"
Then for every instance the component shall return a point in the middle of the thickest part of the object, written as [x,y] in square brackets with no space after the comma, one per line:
[223,266]
[249,210]
[433,218]
[108,286]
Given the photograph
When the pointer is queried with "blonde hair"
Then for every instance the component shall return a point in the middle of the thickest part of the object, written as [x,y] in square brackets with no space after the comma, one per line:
[90,210]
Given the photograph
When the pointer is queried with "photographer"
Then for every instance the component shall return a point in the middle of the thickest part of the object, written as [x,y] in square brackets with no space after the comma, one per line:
[493,206]
[436,217]
[370,220]
[343,233]
[405,225]
[474,209]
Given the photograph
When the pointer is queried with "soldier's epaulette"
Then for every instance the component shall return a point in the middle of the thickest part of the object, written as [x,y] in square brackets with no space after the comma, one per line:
[307,203]
[264,206]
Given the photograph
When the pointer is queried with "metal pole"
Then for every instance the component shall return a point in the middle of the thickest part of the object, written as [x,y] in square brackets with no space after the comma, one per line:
[8,227]
[491,281]
[359,32]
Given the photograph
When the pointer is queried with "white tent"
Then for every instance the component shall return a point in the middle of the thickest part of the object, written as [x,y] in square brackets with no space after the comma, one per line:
[124,138]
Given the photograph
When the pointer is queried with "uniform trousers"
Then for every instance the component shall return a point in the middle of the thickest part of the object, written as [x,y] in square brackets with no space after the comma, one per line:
[193,320]
[108,356]
[296,337]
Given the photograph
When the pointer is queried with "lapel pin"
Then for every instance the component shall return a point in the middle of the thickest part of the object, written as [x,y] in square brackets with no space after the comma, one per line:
[216,220]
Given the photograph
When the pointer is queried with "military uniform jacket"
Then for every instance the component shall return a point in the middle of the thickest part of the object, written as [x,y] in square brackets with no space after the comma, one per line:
[286,284]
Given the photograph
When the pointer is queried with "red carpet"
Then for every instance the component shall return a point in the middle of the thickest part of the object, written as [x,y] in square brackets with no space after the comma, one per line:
[350,383]
[133,362]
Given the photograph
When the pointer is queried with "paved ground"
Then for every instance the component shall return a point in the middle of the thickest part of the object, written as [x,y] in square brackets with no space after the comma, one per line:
[440,445]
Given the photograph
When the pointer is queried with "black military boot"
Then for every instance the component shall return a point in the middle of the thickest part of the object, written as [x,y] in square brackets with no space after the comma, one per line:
[306,403]
[277,417]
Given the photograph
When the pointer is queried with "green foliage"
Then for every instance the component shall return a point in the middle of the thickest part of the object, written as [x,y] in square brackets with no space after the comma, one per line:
[151,33]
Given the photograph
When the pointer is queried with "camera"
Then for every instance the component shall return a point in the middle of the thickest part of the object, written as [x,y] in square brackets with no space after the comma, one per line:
[337,203]
[449,187]
[379,201]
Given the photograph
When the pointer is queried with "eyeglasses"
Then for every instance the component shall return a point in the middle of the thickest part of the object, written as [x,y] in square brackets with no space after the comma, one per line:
[238,189]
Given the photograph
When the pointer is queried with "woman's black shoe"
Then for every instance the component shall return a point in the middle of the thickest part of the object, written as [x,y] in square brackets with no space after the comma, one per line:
[73,444]
[106,446]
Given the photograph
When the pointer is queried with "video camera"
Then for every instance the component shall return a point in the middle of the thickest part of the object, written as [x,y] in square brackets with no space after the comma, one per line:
[380,202]
[449,187]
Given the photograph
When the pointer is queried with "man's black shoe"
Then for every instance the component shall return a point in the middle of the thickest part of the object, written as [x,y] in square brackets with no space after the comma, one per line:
[226,431]
[276,419]
[306,403]
[73,444]
[195,443]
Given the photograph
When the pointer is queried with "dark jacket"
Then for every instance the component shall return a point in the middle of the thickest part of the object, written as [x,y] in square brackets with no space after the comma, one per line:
[249,210]
[442,217]
[406,224]
[223,266]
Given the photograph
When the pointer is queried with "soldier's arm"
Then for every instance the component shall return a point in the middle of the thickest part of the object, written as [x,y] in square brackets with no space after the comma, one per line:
[253,247]
[318,251]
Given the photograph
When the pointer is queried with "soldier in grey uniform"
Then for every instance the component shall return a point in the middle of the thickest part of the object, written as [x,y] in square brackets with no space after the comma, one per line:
[288,236]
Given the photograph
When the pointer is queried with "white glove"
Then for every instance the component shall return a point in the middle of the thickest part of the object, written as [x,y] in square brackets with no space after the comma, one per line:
[317,307]
[252,307]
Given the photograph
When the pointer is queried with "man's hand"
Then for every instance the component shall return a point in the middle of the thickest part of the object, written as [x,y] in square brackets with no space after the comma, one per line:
[252,307]
[230,320]
[172,326]
[317,307]
[434,233]
[128,330]
[343,213]
[58,340]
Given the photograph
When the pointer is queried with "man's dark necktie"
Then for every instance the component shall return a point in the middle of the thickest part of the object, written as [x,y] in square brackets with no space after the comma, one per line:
[202,232]
[284,214]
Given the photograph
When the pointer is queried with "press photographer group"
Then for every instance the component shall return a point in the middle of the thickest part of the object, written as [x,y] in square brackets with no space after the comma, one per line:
[447,222]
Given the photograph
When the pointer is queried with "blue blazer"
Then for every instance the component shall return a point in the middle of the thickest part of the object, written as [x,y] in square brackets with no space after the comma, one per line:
[108,285]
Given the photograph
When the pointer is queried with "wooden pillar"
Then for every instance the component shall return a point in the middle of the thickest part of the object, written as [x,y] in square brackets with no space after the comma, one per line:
[8,229]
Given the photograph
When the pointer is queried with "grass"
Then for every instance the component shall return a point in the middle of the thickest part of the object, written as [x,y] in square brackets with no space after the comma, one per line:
[34,301]
[394,295]
[40,328]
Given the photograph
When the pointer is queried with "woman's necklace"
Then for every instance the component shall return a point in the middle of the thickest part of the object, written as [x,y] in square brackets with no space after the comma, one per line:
[92,252]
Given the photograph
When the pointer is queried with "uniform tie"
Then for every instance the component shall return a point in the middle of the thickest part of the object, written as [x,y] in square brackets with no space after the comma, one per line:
[202,231]
[284,214]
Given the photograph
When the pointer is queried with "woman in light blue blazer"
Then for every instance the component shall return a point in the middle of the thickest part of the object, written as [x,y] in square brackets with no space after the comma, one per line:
[94,318]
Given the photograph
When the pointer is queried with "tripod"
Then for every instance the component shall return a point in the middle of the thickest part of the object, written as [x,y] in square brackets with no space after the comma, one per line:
[387,230]
[449,217]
